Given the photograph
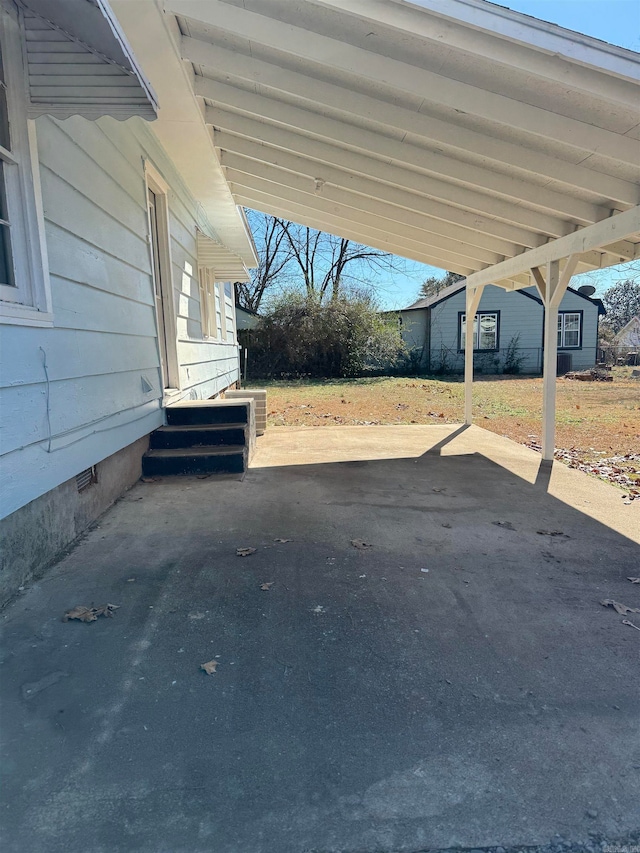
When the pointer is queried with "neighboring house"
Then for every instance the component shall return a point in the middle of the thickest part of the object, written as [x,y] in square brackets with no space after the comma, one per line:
[507,332]
[118,243]
[629,335]
[245,318]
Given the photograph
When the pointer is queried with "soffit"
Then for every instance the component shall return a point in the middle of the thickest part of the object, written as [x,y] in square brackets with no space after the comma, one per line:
[483,137]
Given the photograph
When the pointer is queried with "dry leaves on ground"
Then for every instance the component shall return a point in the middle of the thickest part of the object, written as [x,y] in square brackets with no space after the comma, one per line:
[622,609]
[506,524]
[634,580]
[551,532]
[209,667]
[89,614]
[244,552]
[267,586]
[282,541]
[360,544]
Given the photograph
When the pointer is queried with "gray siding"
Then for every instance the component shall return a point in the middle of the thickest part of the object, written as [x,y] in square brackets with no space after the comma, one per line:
[521,318]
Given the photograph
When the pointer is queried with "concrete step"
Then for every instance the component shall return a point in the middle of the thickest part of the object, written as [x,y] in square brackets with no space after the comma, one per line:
[205,435]
[199,412]
[194,460]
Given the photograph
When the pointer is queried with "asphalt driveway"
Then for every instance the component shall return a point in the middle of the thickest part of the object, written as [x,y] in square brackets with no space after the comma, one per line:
[456,684]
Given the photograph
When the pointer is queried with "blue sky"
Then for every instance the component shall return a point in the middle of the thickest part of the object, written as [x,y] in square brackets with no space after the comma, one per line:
[615,21]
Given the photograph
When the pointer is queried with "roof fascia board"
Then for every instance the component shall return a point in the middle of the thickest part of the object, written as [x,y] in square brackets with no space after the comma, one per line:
[532,32]
[180,126]
[618,227]
[119,35]
[458,35]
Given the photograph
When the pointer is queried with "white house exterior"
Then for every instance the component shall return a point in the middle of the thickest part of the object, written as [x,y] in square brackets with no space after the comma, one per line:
[455,133]
[629,335]
[116,298]
[510,326]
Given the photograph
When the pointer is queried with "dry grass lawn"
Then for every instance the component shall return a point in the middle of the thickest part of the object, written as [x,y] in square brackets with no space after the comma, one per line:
[597,419]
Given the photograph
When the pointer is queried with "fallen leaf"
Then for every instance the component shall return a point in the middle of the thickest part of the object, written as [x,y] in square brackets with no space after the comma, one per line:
[438,490]
[282,541]
[209,667]
[446,524]
[622,609]
[267,586]
[634,580]
[89,614]
[506,524]
[360,545]
[244,552]
[318,609]
[550,532]
[130,580]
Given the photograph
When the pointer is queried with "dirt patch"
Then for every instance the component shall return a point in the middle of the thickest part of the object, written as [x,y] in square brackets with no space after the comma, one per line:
[595,421]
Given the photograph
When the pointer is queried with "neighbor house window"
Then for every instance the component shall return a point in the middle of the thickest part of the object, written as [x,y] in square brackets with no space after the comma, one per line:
[569,329]
[485,331]
[23,286]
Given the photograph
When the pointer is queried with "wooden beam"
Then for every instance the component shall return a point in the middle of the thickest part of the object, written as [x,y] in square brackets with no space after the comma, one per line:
[318,95]
[319,176]
[264,112]
[473,296]
[313,219]
[618,227]
[408,235]
[456,32]
[358,63]
[312,157]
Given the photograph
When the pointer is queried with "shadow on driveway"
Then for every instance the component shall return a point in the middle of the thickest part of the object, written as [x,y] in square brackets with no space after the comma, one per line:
[456,684]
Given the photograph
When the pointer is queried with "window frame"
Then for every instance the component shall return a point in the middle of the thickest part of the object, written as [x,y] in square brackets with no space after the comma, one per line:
[561,315]
[208,315]
[160,188]
[479,314]
[28,301]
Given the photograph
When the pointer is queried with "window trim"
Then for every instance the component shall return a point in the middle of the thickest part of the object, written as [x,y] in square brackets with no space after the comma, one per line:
[160,188]
[461,314]
[208,290]
[580,312]
[29,304]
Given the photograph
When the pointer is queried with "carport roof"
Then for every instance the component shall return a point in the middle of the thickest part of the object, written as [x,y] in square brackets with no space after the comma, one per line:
[453,132]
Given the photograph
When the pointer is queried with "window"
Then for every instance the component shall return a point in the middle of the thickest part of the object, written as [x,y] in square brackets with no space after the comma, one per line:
[24,294]
[489,325]
[209,304]
[569,329]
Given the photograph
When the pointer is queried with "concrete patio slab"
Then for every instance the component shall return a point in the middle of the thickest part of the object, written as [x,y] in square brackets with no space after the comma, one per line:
[457,684]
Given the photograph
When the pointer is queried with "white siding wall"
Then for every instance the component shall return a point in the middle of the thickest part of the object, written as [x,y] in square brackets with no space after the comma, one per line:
[104,337]
[519,316]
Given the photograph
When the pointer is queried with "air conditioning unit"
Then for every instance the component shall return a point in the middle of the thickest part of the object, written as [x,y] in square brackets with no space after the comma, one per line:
[564,363]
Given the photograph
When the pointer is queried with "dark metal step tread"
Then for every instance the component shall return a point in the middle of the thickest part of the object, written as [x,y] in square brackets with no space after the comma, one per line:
[199,427]
[208,450]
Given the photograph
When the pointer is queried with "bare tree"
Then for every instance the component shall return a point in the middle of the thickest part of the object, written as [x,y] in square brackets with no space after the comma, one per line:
[274,254]
[322,264]
[327,264]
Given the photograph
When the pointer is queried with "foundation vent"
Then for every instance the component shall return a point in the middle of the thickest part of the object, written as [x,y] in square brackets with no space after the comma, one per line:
[86,478]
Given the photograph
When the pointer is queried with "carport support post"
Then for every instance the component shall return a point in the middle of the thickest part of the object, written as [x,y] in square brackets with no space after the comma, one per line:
[552,288]
[473,300]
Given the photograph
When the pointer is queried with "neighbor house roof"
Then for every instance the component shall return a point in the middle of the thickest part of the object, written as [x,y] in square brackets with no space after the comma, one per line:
[633,326]
[458,286]
[453,132]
